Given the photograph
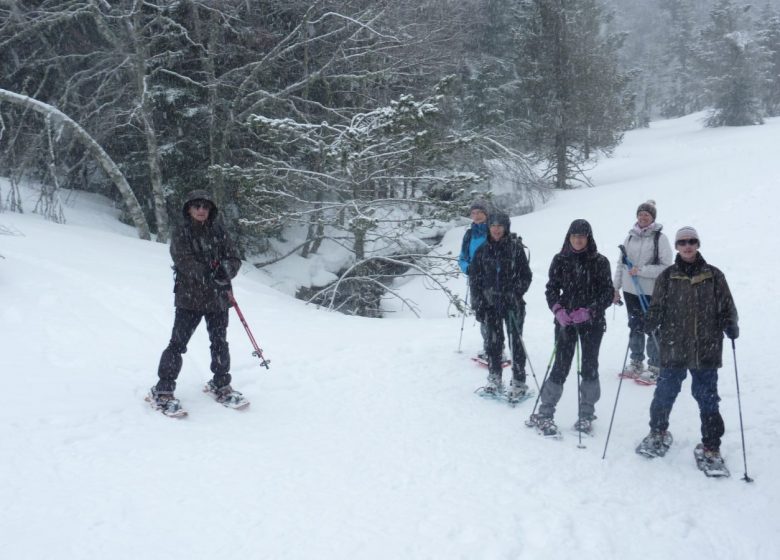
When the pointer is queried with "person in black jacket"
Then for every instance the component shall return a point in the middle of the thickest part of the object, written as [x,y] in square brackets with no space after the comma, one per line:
[578,292]
[205,260]
[499,277]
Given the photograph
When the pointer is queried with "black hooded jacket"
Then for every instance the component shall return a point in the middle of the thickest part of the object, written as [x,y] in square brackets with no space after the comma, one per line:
[499,275]
[198,251]
[580,279]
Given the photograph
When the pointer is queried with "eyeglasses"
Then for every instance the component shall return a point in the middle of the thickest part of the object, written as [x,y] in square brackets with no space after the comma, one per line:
[198,204]
[681,242]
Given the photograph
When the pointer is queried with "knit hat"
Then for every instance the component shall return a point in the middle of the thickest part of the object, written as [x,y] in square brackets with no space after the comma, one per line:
[686,232]
[500,219]
[648,207]
[479,205]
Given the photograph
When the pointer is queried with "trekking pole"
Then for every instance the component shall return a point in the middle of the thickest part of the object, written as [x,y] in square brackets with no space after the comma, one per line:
[465,312]
[546,373]
[614,408]
[746,478]
[258,351]
[579,392]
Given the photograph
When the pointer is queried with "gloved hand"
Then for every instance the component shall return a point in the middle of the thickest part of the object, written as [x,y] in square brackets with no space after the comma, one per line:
[732,331]
[480,314]
[221,276]
[561,316]
[580,315]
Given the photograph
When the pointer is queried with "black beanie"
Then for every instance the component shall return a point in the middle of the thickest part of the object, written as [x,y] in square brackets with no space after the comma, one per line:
[648,207]
[479,205]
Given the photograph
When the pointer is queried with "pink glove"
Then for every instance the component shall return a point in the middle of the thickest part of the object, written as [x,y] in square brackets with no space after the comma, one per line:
[561,316]
[580,315]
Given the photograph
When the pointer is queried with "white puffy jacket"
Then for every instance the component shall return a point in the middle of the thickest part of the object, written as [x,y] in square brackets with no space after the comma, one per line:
[640,248]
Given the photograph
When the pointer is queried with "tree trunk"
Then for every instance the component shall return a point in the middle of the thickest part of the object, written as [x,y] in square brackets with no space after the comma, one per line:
[105,161]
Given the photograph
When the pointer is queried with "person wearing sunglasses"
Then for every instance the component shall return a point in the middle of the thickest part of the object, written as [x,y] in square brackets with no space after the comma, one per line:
[205,260]
[691,309]
[645,253]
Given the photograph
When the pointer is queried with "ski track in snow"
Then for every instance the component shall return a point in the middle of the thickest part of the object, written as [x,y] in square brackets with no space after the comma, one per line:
[365,439]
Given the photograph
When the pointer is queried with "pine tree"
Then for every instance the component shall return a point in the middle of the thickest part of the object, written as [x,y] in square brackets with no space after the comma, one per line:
[574,95]
[769,40]
[730,61]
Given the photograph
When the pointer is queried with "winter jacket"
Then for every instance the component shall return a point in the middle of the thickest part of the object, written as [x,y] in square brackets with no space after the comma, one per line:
[199,251]
[499,276]
[473,239]
[691,307]
[640,250]
[580,280]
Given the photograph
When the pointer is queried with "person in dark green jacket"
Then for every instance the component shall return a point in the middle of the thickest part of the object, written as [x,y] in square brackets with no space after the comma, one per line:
[691,308]
[205,260]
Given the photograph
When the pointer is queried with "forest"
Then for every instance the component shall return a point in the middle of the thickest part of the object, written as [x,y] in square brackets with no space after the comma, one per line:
[359,123]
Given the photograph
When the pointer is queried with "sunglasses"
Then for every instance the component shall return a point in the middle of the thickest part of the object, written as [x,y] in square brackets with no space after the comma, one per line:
[198,204]
[681,242]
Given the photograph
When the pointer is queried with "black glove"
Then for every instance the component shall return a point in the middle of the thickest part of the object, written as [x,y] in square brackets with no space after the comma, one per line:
[221,276]
[480,314]
[732,331]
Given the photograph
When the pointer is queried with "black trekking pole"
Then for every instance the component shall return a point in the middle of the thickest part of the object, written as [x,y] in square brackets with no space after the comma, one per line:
[258,351]
[617,396]
[465,312]
[746,478]
[546,374]
[579,392]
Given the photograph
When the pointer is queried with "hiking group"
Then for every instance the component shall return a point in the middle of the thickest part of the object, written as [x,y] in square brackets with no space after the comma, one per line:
[678,309]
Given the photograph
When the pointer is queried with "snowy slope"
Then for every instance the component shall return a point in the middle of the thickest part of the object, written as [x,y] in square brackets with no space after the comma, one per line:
[365,440]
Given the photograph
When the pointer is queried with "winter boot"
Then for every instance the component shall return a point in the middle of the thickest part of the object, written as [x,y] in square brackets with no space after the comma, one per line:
[585,424]
[225,395]
[545,425]
[648,377]
[517,390]
[709,460]
[494,384]
[655,444]
[165,402]
[634,370]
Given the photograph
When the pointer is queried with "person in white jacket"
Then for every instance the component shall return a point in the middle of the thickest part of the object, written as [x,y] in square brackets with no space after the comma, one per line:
[645,253]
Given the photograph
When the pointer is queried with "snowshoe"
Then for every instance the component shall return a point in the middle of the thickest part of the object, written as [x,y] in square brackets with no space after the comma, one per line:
[710,462]
[655,444]
[165,402]
[633,371]
[648,377]
[518,392]
[545,426]
[226,396]
[584,425]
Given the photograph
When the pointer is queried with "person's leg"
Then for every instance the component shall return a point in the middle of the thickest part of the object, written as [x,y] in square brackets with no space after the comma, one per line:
[704,388]
[552,390]
[590,387]
[636,337]
[515,332]
[184,324]
[666,391]
[217,324]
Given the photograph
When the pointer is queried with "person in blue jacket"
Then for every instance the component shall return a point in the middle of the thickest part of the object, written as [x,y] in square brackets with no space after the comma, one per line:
[475,236]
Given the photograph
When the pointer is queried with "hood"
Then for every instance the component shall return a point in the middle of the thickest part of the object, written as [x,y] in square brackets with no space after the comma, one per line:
[199,194]
[581,227]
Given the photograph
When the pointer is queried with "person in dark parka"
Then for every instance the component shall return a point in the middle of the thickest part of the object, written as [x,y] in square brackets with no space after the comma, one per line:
[205,260]
[691,309]
[578,292]
[499,277]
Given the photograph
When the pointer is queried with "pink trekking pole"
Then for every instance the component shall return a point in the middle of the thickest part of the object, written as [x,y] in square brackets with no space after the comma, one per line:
[258,351]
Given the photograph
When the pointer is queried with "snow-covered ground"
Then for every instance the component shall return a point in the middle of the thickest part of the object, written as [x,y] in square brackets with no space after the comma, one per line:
[365,439]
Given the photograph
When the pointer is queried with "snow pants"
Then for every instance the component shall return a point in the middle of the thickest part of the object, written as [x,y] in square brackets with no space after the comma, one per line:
[704,387]
[184,326]
[493,333]
[589,336]
[637,336]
